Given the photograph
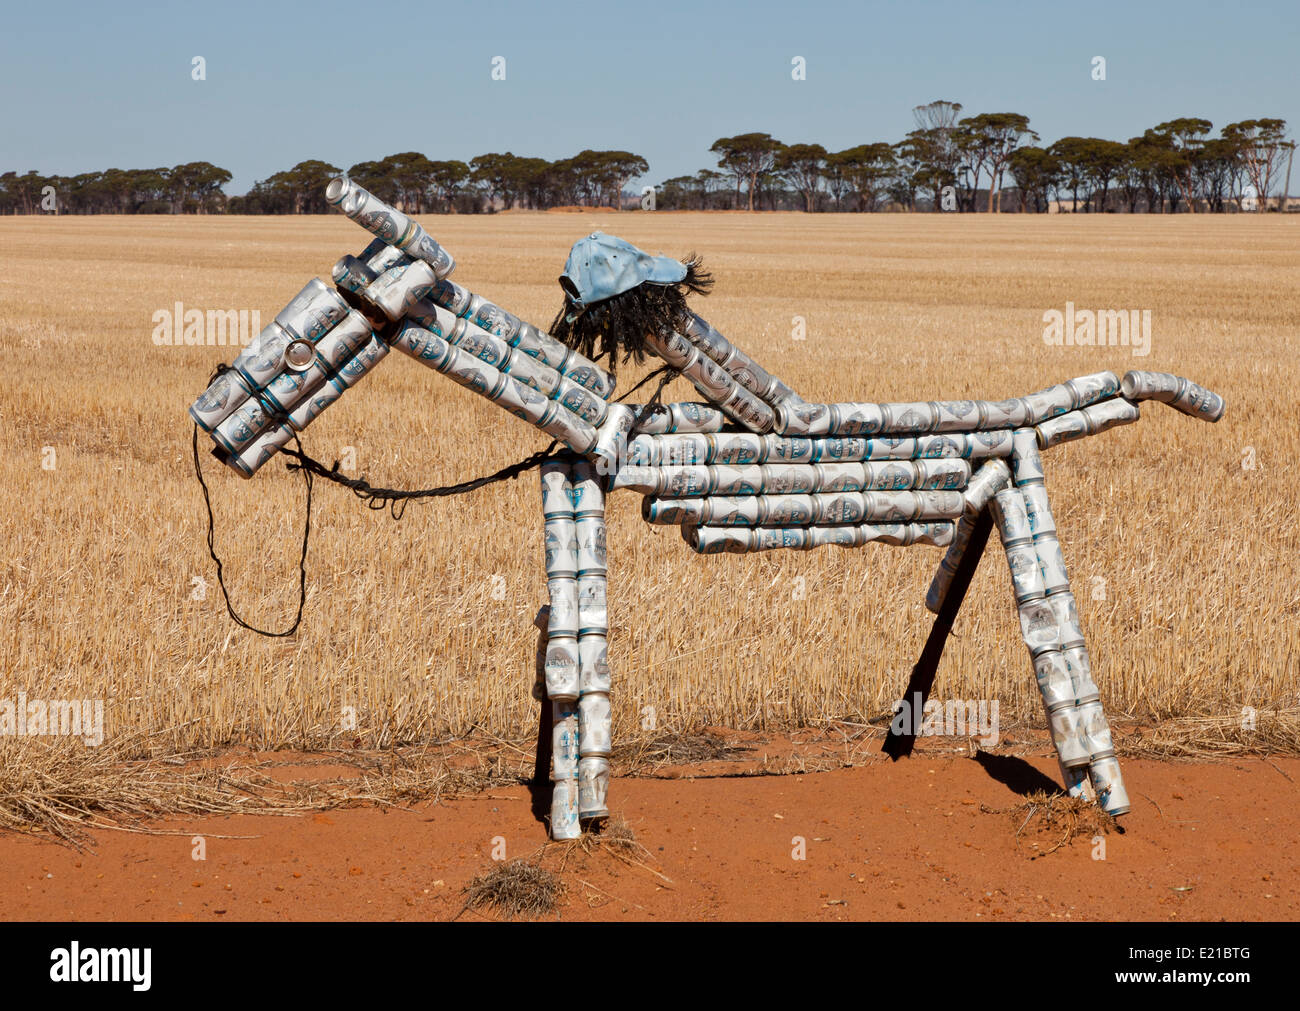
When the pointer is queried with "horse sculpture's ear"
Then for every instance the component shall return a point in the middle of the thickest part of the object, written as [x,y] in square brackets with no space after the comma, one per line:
[617,326]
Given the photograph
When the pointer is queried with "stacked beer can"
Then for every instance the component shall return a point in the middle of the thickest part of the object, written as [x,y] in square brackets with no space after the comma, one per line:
[1050,623]
[729,378]
[310,355]
[577,666]
[992,477]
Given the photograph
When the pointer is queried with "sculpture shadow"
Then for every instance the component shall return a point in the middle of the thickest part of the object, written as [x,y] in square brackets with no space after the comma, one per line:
[540,786]
[1016,774]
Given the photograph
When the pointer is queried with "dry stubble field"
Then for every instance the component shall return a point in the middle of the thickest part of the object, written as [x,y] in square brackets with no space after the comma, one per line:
[1183,561]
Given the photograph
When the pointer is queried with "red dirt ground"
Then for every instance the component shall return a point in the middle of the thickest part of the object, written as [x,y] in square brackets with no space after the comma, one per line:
[921,839]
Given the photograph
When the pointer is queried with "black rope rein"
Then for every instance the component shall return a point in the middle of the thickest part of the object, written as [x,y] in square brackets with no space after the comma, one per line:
[395,500]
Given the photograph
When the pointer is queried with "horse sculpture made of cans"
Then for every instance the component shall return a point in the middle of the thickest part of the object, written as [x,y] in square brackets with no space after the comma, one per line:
[751,468]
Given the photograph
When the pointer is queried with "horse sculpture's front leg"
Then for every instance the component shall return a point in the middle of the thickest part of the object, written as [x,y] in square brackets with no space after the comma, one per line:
[1049,624]
[576,668]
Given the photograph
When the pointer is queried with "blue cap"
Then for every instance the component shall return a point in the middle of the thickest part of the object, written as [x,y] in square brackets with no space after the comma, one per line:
[602,266]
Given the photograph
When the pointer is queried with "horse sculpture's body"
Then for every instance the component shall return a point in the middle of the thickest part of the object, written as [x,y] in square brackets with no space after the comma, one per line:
[753,468]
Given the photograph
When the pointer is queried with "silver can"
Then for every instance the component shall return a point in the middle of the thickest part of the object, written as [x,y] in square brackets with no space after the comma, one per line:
[417,243]
[289,388]
[344,341]
[561,545]
[313,312]
[593,664]
[693,417]
[594,725]
[786,510]
[1110,414]
[1003,413]
[908,418]
[734,449]
[985,445]
[957,415]
[564,810]
[225,393]
[1062,428]
[522,401]
[726,480]
[800,419]
[1010,516]
[992,477]
[686,482]
[592,555]
[262,360]
[399,288]
[947,570]
[1052,562]
[1067,618]
[939,534]
[1048,403]
[1053,678]
[583,403]
[1026,575]
[592,607]
[674,450]
[370,354]
[593,788]
[451,296]
[476,341]
[385,257]
[425,347]
[1037,508]
[242,426]
[550,352]
[367,210]
[675,511]
[944,475]
[1080,664]
[1038,626]
[310,408]
[352,273]
[1109,784]
[1067,736]
[832,477]
[1026,463]
[1162,386]
[646,480]
[261,449]
[588,493]
[1198,402]
[557,489]
[532,373]
[563,592]
[562,667]
[611,449]
[562,424]
[1096,731]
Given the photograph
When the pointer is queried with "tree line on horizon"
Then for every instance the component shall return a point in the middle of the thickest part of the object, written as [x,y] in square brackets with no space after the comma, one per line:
[986,162]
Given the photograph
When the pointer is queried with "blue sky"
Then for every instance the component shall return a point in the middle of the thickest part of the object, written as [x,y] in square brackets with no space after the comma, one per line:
[99,85]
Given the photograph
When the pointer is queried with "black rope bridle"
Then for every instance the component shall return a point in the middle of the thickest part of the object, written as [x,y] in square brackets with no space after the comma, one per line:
[395,500]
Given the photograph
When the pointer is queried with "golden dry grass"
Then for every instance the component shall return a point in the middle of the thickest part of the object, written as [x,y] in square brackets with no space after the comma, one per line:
[1198,555]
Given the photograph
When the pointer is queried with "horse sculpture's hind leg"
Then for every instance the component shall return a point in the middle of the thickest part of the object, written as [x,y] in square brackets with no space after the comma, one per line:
[1049,623]
[576,666]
